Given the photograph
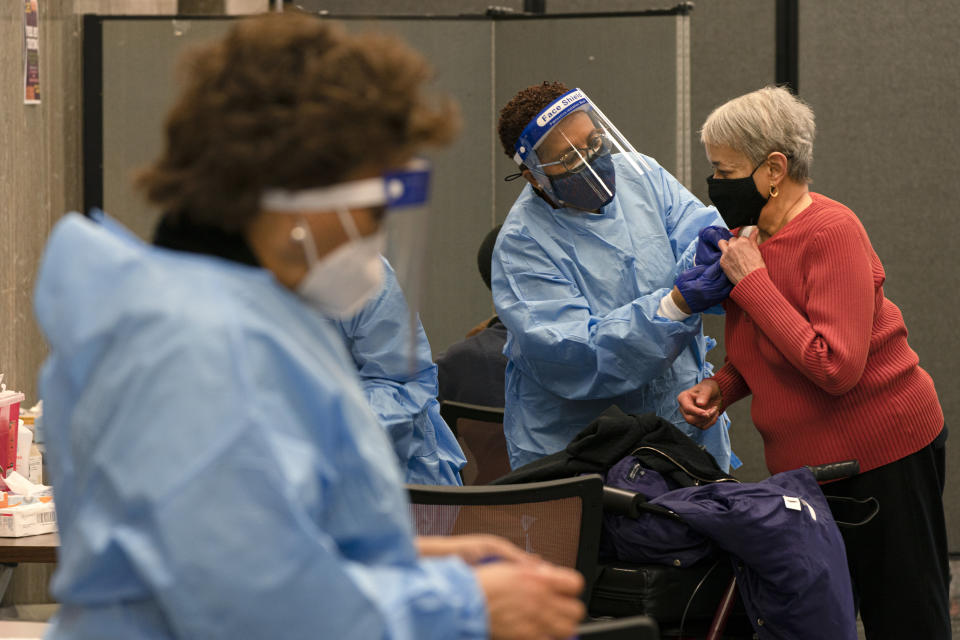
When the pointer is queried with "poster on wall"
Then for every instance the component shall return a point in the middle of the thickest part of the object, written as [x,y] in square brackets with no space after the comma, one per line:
[31,52]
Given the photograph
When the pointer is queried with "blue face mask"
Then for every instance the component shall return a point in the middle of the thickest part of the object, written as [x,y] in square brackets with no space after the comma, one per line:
[581,190]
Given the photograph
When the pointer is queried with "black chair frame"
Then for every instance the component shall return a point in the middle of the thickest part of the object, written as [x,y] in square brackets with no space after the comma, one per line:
[451,411]
[632,628]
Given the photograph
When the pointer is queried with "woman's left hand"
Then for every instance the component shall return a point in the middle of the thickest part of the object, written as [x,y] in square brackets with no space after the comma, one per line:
[740,256]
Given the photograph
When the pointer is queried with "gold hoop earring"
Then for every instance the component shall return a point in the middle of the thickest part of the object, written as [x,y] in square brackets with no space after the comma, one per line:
[774,191]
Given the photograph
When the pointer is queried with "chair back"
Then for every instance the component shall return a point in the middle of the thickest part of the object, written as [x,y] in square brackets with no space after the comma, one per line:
[559,520]
[479,430]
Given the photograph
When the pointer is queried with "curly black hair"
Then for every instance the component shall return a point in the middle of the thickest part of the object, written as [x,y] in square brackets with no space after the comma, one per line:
[290,101]
[523,108]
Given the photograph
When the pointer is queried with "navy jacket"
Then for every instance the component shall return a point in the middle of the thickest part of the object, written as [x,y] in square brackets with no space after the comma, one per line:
[786,549]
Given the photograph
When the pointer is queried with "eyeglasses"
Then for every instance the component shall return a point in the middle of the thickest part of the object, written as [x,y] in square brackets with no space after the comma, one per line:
[576,159]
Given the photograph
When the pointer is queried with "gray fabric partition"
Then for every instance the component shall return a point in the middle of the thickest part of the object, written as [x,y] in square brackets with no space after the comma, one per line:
[482,63]
[732,51]
[883,81]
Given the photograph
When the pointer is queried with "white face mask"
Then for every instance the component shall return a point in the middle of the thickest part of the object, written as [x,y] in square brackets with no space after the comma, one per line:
[342,282]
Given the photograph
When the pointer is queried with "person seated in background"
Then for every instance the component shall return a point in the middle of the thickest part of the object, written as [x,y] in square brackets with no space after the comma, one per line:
[400,382]
[217,468]
[583,278]
[472,370]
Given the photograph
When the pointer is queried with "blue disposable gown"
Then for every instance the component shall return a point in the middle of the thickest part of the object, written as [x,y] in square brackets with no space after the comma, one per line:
[217,471]
[400,379]
[579,294]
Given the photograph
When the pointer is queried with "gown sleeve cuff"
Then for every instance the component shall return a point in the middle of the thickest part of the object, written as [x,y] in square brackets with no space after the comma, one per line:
[470,604]
[669,309]
[732,386]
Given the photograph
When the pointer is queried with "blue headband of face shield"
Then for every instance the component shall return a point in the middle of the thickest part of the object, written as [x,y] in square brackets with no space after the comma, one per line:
[540,126]
[395,189]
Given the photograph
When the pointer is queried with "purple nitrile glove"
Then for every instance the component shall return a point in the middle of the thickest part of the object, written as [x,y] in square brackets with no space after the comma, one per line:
[708,248]
[703,286]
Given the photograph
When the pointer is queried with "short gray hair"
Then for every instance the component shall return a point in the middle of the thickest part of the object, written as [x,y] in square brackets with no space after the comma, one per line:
[758,123]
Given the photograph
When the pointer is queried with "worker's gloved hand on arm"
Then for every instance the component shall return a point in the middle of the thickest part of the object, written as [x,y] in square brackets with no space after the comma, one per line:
[708,249]
[703,286]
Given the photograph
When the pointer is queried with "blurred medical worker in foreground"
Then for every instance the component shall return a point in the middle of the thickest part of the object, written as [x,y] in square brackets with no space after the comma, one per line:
[390,348]
[218,471]
[583,278]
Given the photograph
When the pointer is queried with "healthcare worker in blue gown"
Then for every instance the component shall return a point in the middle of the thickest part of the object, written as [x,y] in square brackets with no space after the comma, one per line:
[402,390]
[583,278]
[217,469]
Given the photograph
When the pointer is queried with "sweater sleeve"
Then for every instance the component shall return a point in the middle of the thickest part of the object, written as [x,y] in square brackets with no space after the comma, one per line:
[732,385]
[829,339]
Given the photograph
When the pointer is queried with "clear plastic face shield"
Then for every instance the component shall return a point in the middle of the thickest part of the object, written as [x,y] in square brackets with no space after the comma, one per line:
[406,232]
[570,148]
[342,282]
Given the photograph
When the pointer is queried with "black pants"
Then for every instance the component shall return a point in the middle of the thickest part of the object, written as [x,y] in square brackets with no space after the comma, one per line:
[899,561]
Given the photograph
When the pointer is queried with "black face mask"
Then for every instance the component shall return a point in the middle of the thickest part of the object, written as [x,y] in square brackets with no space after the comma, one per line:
[737,199]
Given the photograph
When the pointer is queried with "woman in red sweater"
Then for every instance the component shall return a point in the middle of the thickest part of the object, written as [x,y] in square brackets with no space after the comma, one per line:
[810,335]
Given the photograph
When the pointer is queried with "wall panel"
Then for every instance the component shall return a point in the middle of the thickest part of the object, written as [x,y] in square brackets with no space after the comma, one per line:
[39,174]
[39,180]
[481,62]
[883,81]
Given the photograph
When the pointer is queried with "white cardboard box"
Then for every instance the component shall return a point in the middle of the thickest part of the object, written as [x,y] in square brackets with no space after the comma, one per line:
[28,520]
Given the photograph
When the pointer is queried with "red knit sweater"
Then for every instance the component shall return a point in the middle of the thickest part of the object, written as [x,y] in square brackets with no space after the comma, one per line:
[824,354]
